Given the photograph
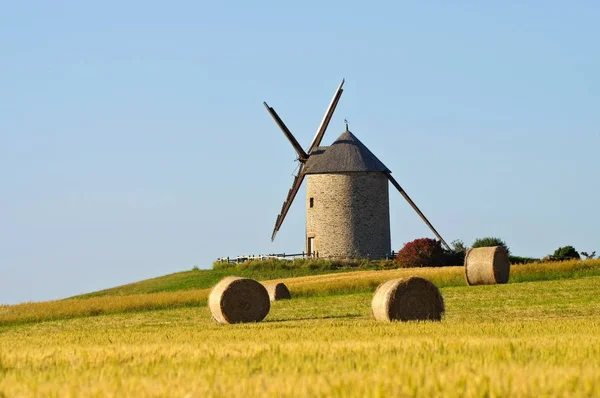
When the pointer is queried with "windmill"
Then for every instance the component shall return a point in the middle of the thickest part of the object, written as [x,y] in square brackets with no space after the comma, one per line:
[347,198]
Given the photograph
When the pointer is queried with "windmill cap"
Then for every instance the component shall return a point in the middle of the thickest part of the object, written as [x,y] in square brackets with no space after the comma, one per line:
[346,154]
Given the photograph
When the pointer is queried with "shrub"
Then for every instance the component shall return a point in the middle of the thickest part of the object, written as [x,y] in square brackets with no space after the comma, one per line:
[318,264]
[565,253]
[456,256]
[489,241]
[422,252]
[522,260]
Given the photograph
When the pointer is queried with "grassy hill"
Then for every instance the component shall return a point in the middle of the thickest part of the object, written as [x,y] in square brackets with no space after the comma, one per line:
[202,279]
[446,276]
[539,335]
[191,288]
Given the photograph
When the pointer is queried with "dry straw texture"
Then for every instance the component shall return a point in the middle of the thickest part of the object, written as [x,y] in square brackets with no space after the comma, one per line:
[538,339]
[278,291]
[407,299]
[239,300]
[487,266]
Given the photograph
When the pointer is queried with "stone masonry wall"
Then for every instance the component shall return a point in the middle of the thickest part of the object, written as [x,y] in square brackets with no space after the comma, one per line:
[350,215]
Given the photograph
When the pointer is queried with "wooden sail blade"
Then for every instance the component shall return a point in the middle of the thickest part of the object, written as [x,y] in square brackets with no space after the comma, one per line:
[288,200]
[326,119]
[414,206]
[302,156]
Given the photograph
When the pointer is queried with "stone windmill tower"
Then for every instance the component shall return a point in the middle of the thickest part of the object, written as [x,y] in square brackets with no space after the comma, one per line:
[347,196]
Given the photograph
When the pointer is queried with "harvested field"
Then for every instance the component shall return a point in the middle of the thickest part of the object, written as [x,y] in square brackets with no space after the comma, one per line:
[542,337]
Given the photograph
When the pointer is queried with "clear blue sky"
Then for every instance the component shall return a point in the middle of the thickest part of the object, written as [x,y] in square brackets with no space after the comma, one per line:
[134,143]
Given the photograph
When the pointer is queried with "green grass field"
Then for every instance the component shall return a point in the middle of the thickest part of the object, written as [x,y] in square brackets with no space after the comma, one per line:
[536,336]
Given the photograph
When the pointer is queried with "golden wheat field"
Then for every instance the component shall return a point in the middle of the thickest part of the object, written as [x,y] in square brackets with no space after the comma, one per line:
[535,338]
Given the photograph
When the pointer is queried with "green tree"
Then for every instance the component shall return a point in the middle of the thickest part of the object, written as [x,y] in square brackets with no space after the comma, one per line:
[565,253]
[458,246]
[456,256]
[489,241]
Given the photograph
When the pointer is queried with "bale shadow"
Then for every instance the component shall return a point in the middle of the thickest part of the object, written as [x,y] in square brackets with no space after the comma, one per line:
[349,316]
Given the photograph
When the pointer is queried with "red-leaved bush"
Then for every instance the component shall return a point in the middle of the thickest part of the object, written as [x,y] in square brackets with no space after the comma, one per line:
[422,252]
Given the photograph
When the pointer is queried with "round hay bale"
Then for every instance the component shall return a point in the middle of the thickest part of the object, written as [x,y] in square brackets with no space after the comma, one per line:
[239,300]
[407,299]
[278,291]
[487,266]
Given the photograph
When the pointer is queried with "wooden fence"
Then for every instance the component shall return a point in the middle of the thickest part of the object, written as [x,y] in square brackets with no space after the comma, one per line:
[283,256]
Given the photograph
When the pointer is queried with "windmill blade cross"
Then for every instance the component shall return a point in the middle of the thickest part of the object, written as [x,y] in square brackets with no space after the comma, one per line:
[302,156]
[414,206]
[326,118]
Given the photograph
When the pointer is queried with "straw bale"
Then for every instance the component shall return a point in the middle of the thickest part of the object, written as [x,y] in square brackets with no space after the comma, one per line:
[487,266]
[239,300]
[278,291]
[407,299]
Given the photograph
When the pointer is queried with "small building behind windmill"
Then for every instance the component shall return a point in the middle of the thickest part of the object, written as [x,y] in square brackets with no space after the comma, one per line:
[347,201]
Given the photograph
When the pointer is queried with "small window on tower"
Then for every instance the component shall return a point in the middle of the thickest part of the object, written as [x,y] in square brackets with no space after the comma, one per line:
[311,202]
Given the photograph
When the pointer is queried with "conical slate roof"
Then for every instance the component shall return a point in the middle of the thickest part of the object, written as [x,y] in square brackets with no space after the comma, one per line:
[346,154]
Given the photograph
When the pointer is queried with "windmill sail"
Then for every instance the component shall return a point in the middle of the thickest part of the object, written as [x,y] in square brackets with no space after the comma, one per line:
[414,206]
[302,156]
[288,200]
[326,119]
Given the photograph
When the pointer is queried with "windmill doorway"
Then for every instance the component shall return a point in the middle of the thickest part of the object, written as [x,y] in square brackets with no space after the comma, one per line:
[310,246]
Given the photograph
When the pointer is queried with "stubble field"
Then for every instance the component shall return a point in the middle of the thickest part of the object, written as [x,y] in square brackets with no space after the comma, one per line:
[532,338]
